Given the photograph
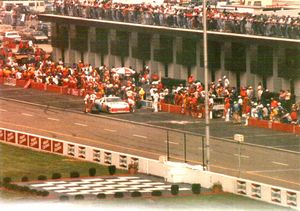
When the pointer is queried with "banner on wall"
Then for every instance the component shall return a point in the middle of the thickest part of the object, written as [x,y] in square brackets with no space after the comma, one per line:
[2,135]
[22,139]
[46,144]
[11,137]
[57,147]
[34,142]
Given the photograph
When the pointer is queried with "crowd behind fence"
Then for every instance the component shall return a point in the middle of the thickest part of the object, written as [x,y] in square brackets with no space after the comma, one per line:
[184,17]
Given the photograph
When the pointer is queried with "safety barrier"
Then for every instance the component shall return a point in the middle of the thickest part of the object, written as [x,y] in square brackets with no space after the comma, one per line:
[289,128]
[176,109]
[42,86]
[171,171]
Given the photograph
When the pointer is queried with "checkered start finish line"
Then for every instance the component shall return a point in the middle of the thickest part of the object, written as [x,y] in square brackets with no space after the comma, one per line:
[103,185]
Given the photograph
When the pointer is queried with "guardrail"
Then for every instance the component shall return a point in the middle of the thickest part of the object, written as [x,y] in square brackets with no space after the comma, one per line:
[171,171]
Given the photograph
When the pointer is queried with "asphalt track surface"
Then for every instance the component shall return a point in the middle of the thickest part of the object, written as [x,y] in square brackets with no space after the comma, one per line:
[276,163]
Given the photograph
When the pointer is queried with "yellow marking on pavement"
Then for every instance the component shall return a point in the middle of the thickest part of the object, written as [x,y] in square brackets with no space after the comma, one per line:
[83,138]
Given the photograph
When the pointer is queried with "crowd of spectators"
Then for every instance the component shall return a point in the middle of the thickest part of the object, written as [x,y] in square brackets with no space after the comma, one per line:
[239,103]
[183,17]
[102,81]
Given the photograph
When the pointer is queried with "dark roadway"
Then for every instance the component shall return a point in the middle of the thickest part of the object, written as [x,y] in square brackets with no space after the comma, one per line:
[277,167]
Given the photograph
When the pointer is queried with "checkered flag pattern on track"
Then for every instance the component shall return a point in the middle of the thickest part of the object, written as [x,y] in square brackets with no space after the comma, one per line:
[103,185]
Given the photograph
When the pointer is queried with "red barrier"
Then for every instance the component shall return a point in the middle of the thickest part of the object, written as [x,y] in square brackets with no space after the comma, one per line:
[21,83]
[164,107]
[54,88]
[259,123]
[283,127]
[175,109]
[297,130]
[39,86]
[64,90]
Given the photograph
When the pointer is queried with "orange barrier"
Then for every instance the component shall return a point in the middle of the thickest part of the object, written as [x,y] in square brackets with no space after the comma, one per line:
[21,83]
[283,127]
[164,107]
[39,86]
[175,109]
[288,128]
[297,130]
[54,88]
[259,123]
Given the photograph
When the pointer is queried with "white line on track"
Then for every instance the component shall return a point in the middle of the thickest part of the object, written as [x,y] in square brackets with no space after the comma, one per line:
[2,109]
[278,163]
[79,124]
[109,130]
[171,142]
[53,119]
[139,136]
[25,114]
[242,156]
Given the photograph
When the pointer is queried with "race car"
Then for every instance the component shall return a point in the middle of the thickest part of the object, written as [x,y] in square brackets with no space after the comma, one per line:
[112,105]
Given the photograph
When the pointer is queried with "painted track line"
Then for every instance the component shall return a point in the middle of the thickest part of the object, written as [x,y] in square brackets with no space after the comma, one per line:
[2,110]
[139,136]
[25,114]
[53,119]
[242,156]
[171,142]
[278,163]
[110,130]
[79,124]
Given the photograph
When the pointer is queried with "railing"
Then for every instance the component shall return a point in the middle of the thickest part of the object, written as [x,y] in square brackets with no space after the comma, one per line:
[243,26]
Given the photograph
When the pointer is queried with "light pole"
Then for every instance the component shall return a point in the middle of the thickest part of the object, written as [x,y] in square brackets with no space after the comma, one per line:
[206,85]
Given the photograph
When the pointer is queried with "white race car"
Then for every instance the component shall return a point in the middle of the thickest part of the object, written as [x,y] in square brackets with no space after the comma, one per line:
[112,105]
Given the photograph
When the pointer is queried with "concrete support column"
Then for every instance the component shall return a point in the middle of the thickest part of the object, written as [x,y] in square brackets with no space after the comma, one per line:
[177,43]
[128,60]
[199,51]
[153,65]
[247,78]
[109,60]
[274,82]
[225,48]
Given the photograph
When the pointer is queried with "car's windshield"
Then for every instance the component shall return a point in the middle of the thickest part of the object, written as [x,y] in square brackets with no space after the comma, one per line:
[113,100]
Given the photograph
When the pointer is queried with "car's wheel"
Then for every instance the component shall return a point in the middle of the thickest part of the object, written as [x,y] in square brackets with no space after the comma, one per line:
[108,109]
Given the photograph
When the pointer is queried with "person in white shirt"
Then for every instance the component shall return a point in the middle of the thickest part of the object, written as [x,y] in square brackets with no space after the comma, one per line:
[155,101]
